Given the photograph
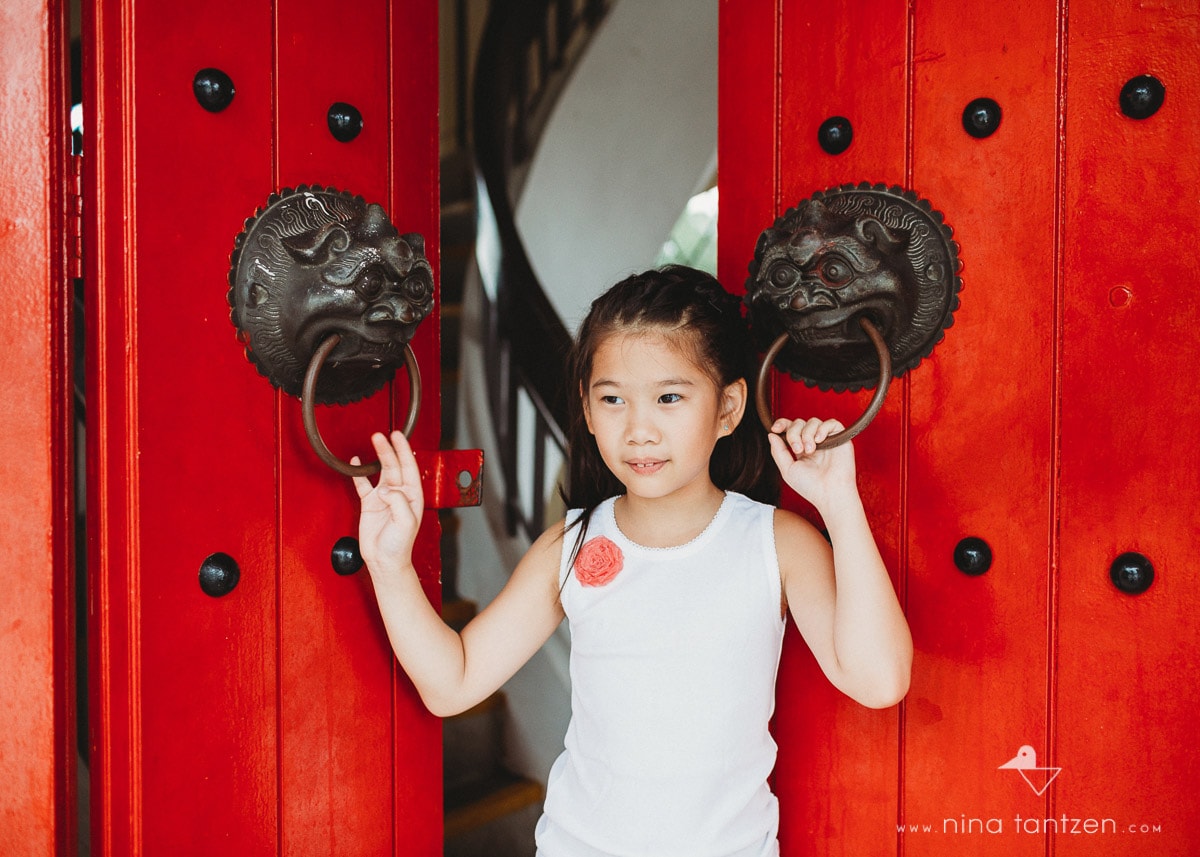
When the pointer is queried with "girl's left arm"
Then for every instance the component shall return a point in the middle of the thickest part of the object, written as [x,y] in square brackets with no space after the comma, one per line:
[841,598]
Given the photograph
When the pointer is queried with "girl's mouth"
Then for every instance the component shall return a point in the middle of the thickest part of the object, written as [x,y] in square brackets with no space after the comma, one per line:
[645,466]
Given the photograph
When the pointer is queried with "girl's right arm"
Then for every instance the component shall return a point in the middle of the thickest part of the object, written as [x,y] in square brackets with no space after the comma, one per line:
[451,671]
[841,597]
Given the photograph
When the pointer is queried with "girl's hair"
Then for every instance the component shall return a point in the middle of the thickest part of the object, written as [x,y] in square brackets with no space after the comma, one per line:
[697,314]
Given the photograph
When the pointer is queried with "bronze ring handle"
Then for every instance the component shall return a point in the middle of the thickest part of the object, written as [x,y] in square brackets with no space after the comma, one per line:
[308,397]
[881,388]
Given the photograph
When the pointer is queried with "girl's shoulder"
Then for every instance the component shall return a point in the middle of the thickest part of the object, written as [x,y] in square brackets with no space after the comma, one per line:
[550,541]
[740,502]
[797,537]
[785,521]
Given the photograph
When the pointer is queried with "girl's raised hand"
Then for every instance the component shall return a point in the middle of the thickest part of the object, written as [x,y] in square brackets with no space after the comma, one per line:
[392,508]
[816,475]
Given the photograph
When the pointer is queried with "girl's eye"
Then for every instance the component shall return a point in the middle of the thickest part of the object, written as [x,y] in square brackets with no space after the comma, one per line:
[669,398]
[611,400]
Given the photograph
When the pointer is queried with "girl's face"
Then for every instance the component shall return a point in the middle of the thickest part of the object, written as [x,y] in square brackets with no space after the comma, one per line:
[656,415]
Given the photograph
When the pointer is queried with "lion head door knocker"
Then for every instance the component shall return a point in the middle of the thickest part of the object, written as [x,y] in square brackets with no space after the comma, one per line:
[852,287]
[319,276]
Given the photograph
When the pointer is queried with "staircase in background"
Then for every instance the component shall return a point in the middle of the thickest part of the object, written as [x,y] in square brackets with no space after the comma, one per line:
[525,61]
[489,811]
[526,55]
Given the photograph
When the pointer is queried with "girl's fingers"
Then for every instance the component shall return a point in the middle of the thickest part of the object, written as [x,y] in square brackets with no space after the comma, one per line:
[361,483]
[389,463]
[780,452]
[400,481]
[791,435]
[802,436]
[827,428]
[398,471]
[408,462]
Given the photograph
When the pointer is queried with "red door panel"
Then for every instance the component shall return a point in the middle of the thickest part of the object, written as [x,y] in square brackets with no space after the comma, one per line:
[1056,421]
[337,782]
[1127,696]
[187,685]
[336,667]
[981,428]
[748,130]
[854,778]
[272,719]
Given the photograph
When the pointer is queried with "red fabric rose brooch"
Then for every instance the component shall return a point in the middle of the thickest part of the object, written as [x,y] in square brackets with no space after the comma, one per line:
[598,562]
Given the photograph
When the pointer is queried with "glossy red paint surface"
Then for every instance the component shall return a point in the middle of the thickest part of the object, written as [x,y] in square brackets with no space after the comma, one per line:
[748,97]
[1055,420]
[272,720]
[1127,696]
[981,427]
[820,78]
[335,664]
[37,701]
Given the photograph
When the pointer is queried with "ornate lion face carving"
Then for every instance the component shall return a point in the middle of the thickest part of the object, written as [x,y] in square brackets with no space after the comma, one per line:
[844,254]
[316,262]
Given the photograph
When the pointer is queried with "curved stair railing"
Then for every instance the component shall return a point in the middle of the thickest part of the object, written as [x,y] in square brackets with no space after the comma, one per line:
[527,52]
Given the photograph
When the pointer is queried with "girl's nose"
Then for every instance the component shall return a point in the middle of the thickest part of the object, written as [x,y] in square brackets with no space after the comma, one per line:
[640,427]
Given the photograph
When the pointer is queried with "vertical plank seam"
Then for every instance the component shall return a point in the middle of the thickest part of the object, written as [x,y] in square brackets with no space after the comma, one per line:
[777,120]
[905,434]
[777,146]
[130,442]
[391,401]
[1053,525]
[277,475]
[62,186]
[99,637]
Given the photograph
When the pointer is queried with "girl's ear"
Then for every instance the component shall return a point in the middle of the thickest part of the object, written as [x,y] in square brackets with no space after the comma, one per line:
[733,404]
[587,409]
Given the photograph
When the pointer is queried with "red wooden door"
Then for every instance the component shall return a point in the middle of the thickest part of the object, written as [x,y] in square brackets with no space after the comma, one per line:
[1054,421]
[37,706]
[272,720]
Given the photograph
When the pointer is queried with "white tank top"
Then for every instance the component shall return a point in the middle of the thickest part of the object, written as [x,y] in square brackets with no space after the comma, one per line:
[673,665]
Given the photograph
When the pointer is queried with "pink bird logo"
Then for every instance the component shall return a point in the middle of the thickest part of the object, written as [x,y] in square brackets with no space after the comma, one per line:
[1025,764]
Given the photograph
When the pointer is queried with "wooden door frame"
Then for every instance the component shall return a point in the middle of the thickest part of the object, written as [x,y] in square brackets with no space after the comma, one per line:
[37,636]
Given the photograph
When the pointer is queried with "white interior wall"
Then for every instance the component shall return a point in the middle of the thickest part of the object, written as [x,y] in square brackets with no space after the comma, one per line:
[628,143]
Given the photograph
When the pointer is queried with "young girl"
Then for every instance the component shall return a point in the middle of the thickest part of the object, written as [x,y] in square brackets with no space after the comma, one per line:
[676,576]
